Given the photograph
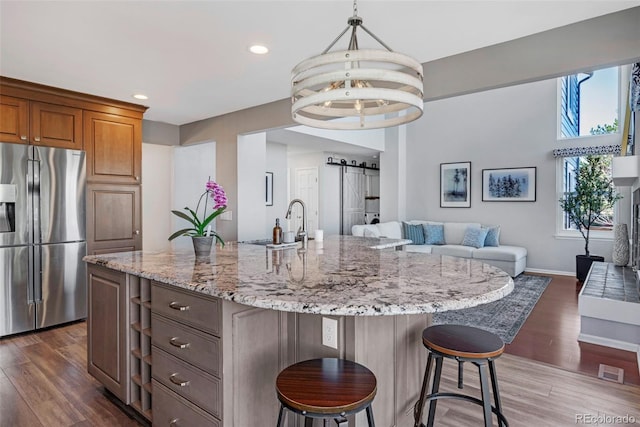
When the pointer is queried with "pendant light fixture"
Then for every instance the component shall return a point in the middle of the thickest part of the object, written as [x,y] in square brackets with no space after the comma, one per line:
[365,84]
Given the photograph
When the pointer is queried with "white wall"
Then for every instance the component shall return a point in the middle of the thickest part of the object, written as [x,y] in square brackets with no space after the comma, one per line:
[193,166]
[508,127]
[157,193]
[251,196]
[277,163]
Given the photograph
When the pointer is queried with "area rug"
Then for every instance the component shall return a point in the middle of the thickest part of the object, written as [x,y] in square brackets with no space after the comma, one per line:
[504,317]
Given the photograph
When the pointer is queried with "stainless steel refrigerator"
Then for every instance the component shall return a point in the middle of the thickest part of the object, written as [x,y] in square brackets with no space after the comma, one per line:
[42,237]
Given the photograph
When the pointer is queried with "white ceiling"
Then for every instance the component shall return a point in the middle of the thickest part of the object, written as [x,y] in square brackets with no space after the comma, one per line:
[191,57]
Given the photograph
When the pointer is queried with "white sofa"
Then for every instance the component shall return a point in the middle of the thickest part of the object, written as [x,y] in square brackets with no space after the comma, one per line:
[511,259]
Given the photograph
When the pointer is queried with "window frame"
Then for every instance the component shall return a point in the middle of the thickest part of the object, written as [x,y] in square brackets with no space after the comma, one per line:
[624,72]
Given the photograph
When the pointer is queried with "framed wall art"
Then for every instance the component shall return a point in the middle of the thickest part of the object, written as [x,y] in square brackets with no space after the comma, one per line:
[455,185]
[509,185]
[268,188]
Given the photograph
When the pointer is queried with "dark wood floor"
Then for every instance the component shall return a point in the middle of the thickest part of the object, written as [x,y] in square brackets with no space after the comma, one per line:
[44,380]
[550,335]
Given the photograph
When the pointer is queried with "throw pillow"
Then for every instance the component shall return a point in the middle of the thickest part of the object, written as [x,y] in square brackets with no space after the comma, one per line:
[414,233]
[474,237]
[493,235]
[433,234]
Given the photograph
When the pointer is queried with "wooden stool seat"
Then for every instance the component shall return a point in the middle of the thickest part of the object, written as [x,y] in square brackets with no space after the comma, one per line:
[462,341]
[326,388]
[464,344]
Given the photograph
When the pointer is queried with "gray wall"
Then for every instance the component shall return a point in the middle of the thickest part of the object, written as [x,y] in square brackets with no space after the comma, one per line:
[501,128]
[606,40]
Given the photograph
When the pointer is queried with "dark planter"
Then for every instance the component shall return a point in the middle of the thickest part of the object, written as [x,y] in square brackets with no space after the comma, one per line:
[583,264]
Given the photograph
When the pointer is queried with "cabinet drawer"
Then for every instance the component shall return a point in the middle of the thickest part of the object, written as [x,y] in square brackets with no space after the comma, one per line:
[189,382]
[194,347]
[196,310]
[170,410]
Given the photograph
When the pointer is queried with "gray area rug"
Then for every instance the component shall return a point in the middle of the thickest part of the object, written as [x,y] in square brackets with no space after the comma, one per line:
[504,317]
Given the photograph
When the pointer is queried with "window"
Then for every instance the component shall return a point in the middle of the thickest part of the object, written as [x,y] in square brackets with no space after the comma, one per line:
[589,103]
[570,168]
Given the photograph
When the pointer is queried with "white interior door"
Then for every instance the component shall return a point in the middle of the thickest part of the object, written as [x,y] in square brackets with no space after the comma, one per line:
[306,189]
[353,189]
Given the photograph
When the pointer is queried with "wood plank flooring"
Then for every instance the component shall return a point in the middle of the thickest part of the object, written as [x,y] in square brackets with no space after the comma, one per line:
[550,335]
[43,378]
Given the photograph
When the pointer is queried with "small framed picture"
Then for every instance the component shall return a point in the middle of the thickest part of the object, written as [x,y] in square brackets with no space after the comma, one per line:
[455,185]
[509,185]
[268,188]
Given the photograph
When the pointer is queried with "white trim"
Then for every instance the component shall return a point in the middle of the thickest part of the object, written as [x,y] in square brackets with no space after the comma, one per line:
[608,342]
[575,235]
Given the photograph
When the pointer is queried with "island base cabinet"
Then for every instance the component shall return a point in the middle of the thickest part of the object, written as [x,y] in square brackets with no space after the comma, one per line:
[107,329]
[170,410]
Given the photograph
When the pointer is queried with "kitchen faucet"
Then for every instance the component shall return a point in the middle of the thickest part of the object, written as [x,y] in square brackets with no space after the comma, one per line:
[302,234]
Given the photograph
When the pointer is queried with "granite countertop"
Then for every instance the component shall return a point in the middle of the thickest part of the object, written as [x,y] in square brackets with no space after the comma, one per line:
[343,275]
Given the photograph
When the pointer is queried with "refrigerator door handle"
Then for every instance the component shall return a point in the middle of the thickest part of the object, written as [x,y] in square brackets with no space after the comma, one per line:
[37,237]
[37,275]
[30,277]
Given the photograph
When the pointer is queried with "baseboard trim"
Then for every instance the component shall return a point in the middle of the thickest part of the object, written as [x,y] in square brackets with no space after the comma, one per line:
[545,271]
[608,342]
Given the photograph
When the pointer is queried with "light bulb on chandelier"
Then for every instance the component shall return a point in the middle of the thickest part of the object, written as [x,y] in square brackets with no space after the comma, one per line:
[367,84]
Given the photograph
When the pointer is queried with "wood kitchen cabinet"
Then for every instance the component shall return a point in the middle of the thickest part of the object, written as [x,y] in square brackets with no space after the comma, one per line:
[107,330]
[111,133]
[114,219]
[40,123]
[14,120]
[55,126]
[114,147]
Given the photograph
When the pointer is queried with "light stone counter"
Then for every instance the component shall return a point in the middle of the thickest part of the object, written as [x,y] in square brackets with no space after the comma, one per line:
[342,276]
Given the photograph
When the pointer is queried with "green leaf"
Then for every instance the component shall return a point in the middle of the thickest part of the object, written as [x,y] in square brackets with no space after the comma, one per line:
[179,233]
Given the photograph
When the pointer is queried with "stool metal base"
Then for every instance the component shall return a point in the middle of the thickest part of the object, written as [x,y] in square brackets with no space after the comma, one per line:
[433,397]
[339,419]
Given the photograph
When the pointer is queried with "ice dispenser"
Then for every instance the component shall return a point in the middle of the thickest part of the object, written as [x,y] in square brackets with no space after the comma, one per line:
[7,208]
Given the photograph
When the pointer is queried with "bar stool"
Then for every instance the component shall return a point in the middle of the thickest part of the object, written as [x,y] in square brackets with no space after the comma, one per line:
[326,388]
[464,344]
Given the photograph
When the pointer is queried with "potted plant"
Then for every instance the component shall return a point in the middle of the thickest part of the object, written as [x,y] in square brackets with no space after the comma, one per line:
[592,196]
[201,233]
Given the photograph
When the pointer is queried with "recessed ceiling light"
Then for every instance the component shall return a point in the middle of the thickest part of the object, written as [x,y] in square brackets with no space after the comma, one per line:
[140,96]
[258,49]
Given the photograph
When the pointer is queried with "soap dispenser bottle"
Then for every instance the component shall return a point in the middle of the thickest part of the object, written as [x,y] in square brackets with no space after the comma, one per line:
[277,233]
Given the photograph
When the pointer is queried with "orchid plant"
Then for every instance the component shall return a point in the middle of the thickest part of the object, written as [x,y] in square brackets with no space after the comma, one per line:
[202,228]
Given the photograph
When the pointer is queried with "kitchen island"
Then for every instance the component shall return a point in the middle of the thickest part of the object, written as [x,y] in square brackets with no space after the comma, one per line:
[253,311]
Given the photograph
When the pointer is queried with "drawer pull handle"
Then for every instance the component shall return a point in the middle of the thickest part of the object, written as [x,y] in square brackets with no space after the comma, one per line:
[174,342]
[177,306]
[174,422]
[177,381]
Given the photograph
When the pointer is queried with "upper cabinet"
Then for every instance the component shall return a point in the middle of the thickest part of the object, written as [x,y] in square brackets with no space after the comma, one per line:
[14,120]
[55,126]
[114,145]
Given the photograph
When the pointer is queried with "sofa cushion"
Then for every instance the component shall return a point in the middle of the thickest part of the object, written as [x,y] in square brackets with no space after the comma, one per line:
[500,253]
[493,235]
[433,234]
[474,237]
[454,250]
[391,229]
[454,231]
[413,232]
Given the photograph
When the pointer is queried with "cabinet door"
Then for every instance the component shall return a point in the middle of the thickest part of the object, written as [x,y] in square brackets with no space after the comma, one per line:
[114,218]
[107,326]
[114,148]
[14,119]
[56,126]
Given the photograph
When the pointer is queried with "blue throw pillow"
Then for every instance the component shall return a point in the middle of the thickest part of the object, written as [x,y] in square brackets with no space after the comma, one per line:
[433,234]
[414,233]
[493,236]
[474,237]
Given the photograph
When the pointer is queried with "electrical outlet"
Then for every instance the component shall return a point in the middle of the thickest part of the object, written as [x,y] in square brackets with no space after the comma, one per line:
[330,332]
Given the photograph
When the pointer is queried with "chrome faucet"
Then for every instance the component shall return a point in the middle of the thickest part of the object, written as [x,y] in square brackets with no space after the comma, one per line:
[302,233]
